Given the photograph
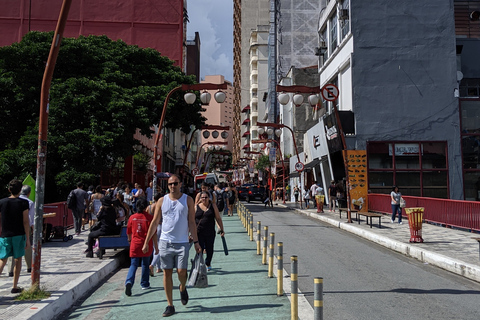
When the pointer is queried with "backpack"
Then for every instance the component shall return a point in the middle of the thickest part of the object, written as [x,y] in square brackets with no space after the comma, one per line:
[231,196]
[72,200]
[220,201]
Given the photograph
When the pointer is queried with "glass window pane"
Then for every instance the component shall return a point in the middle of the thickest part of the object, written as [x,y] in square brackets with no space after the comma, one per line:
[435,184]
[472,186]
[380,182]
[378,156]
[433,155]
[408,183]
[470,116]
[407,155]
[471,152]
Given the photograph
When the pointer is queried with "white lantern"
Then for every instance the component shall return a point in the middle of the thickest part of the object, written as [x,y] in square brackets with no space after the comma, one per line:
[269,145]
[210,147]
[283,98]
[215,134]
[190,97]
[206,134]
[205,97]
[313,99]
[254,146]
[278,132]
[224,135]
[261,130]
[220,96]
[269,131]
[297,99]
[261,145]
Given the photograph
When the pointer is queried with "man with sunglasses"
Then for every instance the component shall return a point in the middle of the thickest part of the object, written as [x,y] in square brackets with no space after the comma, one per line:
[176,212]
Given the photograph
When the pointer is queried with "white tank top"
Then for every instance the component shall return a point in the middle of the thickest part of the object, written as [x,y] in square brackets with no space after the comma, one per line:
[175,220]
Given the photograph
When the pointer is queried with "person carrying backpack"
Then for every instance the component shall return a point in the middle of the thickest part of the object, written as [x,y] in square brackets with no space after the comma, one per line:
[221,198]
[232,198]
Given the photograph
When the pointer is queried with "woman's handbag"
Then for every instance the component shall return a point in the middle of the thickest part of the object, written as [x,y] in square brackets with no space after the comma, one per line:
[198,274]
[403,204]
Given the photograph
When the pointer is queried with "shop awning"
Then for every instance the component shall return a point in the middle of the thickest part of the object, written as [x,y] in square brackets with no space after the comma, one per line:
[247,108]
[247,146]
[312,164]
[246,134]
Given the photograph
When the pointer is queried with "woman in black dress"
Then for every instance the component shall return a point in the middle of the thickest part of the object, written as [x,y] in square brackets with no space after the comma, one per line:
[206,213]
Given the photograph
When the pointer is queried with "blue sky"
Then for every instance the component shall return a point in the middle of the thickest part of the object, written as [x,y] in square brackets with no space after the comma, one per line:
[213,19]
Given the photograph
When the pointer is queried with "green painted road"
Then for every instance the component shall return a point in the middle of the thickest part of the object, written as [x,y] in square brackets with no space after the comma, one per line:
[238,289]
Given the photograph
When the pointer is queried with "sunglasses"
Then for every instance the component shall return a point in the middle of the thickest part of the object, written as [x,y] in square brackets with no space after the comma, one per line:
[173,184]
[204,197]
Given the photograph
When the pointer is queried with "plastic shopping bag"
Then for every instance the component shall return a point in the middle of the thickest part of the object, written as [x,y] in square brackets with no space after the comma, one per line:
[198,273]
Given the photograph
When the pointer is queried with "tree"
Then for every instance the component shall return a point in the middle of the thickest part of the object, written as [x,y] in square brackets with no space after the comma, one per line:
[101,92]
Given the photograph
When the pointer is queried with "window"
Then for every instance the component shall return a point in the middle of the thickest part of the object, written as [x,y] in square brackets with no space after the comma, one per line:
[470,88]
[418,168]
[333,33]
[345,23]
[470,117]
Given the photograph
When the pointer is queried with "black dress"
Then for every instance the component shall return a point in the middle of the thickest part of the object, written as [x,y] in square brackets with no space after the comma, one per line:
[205,222]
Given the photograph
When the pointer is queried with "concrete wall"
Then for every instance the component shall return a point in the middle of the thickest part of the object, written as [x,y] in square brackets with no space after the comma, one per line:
[404,75]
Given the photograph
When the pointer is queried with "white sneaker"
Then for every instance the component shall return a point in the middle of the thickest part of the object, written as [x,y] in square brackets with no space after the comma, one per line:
[392,221]
[400,222]
[145,288]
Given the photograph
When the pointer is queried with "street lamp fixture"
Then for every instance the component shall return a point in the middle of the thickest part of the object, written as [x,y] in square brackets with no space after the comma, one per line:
[205,97]
[278,132]
[206,134]
[215,134]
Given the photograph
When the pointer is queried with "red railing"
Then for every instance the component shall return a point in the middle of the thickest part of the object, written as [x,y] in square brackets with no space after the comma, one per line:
[452,213]
[63,214]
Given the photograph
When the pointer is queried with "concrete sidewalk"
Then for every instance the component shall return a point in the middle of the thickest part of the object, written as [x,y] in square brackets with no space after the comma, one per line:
[238,285]
[450,249]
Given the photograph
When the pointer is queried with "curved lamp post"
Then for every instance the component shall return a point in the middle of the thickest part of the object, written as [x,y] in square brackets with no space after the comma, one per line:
[211,143]
[190,99]
[206,127]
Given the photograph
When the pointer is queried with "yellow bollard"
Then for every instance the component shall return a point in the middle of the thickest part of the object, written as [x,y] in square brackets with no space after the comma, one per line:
[265,235]
[271,255]
[259,237]
[280,269]
[318,299]
[294,294]
[251,227]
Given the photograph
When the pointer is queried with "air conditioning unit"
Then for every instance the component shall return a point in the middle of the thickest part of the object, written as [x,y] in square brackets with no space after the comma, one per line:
[343,14]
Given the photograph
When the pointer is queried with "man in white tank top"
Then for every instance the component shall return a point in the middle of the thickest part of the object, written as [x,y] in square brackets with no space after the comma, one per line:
[176,212]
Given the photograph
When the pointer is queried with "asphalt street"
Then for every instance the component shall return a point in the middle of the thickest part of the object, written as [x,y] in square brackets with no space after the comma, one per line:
[363,280]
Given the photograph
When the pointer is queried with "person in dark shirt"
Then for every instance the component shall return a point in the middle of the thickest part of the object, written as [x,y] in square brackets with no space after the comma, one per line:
[14,228]
[106,225]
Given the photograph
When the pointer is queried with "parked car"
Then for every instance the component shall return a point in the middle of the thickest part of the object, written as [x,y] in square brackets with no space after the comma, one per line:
[256,193]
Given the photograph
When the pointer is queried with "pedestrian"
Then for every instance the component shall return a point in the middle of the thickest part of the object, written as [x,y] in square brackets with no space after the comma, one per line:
[232,198]
[128,197]
[206,214]
[307,197]
[149,192]
[105,226]
[14,230]
[332,196]
[96,204]
[287,192]
[221,198]
[25,194]
[77,212]
[268,197]
[137,229]
[176,212]
[395,196]
[296,193]
[206,187]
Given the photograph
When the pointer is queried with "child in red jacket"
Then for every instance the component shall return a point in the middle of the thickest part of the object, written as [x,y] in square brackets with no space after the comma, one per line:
[137,229]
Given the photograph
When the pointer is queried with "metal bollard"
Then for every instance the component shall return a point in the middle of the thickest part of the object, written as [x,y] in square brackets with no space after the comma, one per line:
[318,299]
[247,222]
[280,269]
[259,237]
[271,255]
[251,227]
[265,238]
[294,294]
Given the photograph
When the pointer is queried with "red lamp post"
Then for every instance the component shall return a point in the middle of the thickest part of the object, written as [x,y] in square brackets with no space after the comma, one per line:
[183,87]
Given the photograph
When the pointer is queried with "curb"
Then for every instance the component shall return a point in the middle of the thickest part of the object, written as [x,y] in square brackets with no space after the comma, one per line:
[456,266]
[68,295]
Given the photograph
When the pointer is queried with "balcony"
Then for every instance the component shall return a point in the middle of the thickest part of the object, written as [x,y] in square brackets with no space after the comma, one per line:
[254,86]
[254,114]
[254,72]
[254,101]
[254,59]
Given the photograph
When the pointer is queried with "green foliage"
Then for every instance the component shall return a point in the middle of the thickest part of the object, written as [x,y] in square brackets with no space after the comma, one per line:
[141,162]
[101,92]
[33,293]
[263,163]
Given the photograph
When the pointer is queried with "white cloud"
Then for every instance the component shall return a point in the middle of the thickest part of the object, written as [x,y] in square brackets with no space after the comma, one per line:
[213,20]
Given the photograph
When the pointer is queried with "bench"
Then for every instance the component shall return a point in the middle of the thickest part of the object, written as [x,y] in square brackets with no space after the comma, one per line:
[346,211]
[478,239]
[113,242]
[370,215]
